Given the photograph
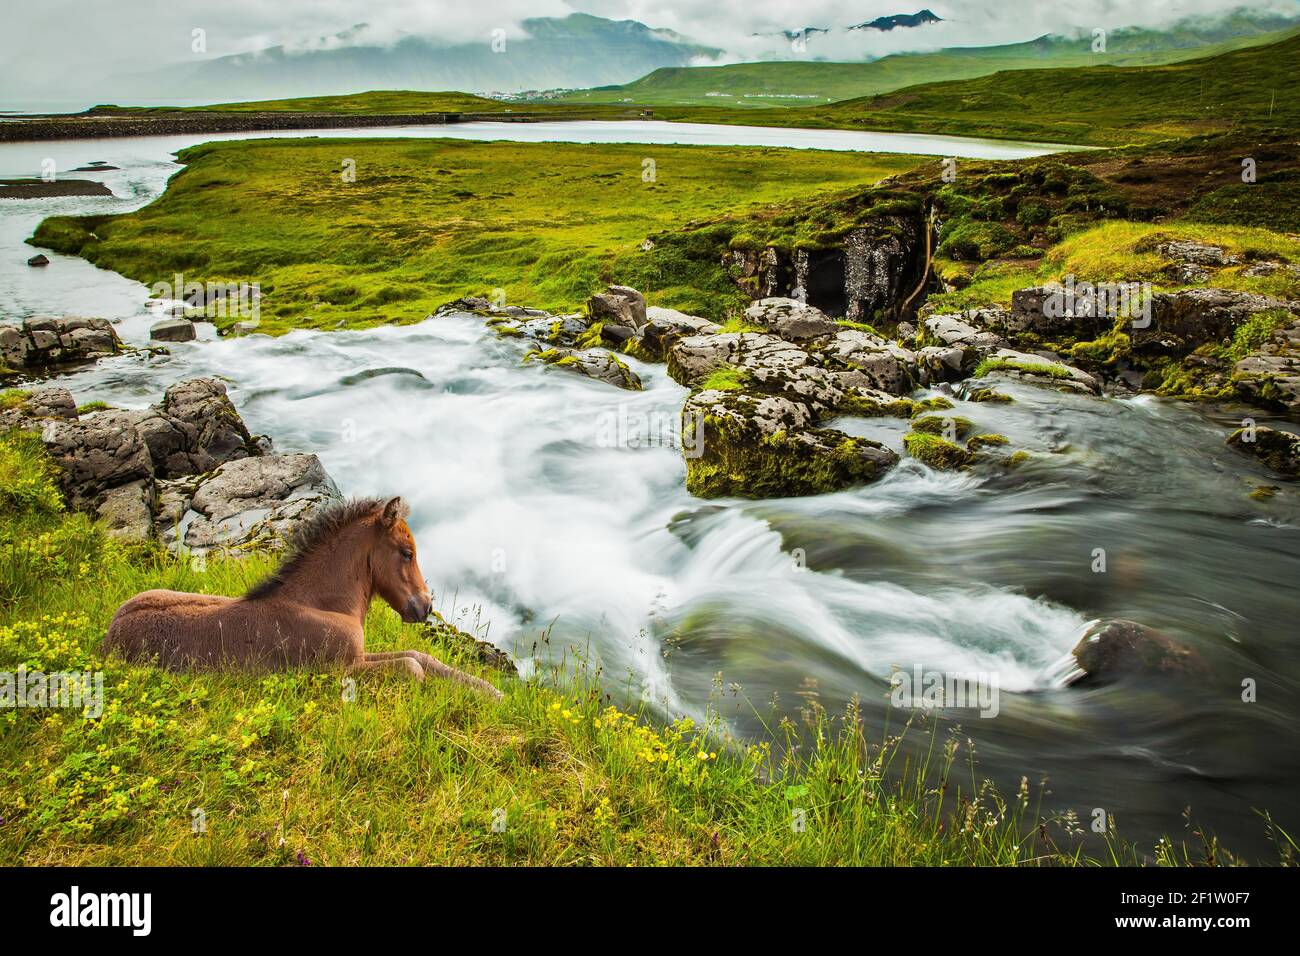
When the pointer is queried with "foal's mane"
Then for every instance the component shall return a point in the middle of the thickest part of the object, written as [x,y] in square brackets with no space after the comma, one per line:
[324,526]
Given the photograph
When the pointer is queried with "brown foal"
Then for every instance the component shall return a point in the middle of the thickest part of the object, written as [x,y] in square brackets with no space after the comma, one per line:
[311,611]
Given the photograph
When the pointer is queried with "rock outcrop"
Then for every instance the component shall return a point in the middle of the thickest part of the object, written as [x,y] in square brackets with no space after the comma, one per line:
[869,276]
[38,344]
[1184,320]
[185,471]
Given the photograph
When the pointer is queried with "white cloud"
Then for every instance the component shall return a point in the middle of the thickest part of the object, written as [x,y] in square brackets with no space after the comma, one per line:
[63,44]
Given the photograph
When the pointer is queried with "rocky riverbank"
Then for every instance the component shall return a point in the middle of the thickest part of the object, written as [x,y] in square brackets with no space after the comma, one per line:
[762,393]
[185,472]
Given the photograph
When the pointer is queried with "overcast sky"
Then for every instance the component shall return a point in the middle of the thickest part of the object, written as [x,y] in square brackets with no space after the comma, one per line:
[51,44]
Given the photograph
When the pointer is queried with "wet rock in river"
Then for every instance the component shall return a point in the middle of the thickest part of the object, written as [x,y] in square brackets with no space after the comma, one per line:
[173,330]
[1109,650]
[39,260]
[1040,369]
[884,365]
[693,358]
[593,363]
[665,326]
[1277,449]
[767,446]
[194,429]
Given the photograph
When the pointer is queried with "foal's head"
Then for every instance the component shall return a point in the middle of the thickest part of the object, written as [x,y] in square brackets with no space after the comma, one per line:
[394,572]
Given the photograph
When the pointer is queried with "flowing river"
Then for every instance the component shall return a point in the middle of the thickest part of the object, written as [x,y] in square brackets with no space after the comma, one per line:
[545,502]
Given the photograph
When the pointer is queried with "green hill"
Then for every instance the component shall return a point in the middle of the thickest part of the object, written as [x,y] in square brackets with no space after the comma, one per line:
[797,82]
[1099,105]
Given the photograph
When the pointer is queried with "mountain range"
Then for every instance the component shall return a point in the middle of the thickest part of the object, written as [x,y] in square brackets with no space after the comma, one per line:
[625,61]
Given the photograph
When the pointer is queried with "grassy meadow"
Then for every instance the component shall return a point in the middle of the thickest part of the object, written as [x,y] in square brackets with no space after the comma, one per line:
[281,769]
[427,221]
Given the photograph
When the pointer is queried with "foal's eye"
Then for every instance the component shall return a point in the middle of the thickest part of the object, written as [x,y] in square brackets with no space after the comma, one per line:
[407,555]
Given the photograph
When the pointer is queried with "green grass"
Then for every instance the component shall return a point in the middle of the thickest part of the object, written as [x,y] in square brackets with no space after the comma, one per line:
[1098,105]
[285,770]
[427,221]
[1124,251]
[786,83]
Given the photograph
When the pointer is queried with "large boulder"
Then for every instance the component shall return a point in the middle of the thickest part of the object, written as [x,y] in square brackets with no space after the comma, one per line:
[1184,320]
[254,502]
[127,510]
[37,405]
[1081,312]
[966,330]
[1110,650]
[767,446]
[95,454]
[791,320]
[1277,449]
[693,358]
[1040,369]
[195,429]
[884,366]
[665,326]
[618,305]
[173,330]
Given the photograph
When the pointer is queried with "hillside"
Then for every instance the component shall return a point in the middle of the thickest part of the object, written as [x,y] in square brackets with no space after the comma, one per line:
[1097,105]
[788,82]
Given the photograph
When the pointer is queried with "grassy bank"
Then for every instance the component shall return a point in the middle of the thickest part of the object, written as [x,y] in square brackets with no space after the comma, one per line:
[427,221]
[281,769]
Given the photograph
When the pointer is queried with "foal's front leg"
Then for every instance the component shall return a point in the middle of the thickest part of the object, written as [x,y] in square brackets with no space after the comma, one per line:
[399,663]
[436,667]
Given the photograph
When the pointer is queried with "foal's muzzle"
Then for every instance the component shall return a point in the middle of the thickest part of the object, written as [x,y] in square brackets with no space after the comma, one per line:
[417,609]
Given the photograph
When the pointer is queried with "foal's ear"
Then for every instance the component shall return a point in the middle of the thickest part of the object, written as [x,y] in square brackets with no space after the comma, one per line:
[393,512]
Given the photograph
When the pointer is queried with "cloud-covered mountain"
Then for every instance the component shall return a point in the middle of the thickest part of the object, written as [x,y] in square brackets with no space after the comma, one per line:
[573,51]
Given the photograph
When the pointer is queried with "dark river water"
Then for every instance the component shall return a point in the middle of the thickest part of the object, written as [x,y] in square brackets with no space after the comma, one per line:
[547,500]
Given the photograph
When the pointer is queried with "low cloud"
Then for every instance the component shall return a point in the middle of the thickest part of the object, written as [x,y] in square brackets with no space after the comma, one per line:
[65,45]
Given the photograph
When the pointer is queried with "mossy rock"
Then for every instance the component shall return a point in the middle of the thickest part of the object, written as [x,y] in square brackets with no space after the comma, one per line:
[986,441]
[989,395]
[938,453]
[949,426]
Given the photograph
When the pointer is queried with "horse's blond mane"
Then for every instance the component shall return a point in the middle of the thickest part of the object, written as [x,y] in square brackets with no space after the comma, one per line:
[324,526]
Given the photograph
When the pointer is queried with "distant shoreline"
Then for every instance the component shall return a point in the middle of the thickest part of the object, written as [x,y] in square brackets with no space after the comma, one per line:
[38,127]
